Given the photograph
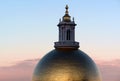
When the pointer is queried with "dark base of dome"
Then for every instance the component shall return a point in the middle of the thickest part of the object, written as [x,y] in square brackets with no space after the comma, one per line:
[67,48]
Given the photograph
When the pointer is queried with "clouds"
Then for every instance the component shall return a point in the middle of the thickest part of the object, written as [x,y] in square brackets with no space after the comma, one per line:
[110,70]
[23,70]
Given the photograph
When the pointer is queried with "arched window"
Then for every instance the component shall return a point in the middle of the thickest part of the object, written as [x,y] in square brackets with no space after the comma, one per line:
[68,34]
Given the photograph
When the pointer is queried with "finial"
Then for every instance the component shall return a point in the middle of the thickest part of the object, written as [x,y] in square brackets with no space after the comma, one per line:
[66,17]
[66,9]
[60,20]
[73,19]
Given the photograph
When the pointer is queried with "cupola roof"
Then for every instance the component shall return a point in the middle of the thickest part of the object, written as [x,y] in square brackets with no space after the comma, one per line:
[66,17]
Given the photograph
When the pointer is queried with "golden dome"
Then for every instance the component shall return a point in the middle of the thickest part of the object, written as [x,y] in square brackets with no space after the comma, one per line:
[71,65]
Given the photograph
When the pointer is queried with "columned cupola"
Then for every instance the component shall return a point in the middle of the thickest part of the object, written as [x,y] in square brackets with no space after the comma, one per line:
[66,33]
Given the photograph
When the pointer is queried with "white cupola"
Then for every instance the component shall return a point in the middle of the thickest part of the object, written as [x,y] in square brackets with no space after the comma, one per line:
[66,32]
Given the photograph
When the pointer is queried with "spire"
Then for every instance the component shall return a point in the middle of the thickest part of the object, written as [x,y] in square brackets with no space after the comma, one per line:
[66,17]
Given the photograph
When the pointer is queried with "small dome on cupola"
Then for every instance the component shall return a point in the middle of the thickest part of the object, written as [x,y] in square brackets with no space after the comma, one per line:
[66,17]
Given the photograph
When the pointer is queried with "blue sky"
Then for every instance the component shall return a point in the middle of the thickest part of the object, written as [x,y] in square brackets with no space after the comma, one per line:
[28,28]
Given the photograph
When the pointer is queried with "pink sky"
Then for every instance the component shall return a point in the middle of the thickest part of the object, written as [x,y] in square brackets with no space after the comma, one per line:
[22,71]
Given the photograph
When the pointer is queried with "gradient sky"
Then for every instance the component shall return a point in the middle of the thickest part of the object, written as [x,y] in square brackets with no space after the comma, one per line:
[28,28]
